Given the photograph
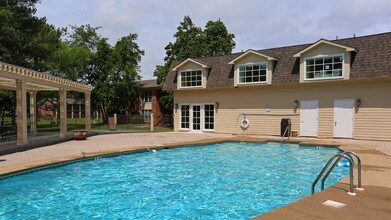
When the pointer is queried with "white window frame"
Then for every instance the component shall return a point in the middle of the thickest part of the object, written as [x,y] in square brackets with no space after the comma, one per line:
[190,70]
[144,97]
[180,117]
[323,56]
[246,64]
[203,116]
[148,117]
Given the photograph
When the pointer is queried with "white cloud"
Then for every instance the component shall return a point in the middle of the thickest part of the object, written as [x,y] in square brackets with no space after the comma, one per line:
[257,24]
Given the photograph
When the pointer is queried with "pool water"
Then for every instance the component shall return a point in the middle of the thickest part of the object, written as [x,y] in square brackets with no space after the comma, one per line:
[227,180]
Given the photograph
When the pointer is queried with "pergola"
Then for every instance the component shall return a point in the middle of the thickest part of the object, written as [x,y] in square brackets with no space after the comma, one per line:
[25,81]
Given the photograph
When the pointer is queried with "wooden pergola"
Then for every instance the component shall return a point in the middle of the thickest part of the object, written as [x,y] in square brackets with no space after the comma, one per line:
[25,81]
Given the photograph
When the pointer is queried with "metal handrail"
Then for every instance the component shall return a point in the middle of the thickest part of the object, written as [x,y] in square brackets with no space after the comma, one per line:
[359,186]
[348,153]
[339,157]
[286,129]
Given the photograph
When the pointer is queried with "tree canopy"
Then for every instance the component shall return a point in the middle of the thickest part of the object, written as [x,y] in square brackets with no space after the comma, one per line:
[193,42]
[77,53]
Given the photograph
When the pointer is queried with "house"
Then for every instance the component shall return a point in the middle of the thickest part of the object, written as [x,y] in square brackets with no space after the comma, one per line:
[150,94]
[328,89]
[75,109]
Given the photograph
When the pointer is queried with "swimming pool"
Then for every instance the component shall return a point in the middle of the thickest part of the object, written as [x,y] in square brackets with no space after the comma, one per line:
[229,180]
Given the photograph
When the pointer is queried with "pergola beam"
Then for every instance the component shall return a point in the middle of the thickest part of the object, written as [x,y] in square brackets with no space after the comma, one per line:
[23,80]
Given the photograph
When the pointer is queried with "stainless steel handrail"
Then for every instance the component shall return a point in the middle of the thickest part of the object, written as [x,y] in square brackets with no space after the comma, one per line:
[351,165]
[347,153]
[359,186]
[338,157]
[286,129]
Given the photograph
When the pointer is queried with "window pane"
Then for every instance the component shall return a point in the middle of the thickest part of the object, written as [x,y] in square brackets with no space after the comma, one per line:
[319,61]
[328,60]
[251,73]
[191,78]
[337,59]
[310,61]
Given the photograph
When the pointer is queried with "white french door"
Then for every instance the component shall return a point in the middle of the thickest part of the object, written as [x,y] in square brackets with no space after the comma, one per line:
[343,118]
[196,117]
[309,118]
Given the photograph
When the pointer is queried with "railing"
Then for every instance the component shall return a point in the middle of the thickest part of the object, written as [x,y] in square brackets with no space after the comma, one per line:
[337,158]
[283,136]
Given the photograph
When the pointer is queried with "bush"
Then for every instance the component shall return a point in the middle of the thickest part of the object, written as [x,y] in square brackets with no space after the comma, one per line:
[136,119]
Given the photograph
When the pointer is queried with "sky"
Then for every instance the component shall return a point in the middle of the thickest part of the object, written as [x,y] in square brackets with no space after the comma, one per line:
[257,24]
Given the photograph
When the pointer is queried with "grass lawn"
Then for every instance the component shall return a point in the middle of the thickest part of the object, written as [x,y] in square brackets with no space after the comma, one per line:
[44,125]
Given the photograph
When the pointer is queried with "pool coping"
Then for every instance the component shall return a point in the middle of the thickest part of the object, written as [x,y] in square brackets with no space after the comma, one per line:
[291,210]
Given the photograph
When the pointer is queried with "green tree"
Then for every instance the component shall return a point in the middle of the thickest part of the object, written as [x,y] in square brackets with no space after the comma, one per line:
[126,57]
[217,39]
[193,42]
[25,39]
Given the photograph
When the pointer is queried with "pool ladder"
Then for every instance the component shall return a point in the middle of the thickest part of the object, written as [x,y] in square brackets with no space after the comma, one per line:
[348,155]
[288,128]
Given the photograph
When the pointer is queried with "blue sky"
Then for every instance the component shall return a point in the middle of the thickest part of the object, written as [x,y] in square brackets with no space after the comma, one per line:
[257,24]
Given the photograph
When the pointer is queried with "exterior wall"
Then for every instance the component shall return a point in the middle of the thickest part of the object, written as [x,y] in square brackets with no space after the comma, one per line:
[252,58]
[372,120]
[154,105]
[321,50]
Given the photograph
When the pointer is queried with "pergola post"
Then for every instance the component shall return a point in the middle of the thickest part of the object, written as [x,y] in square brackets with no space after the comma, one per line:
[87,106]
[21,112]
[33,114]
[63,113]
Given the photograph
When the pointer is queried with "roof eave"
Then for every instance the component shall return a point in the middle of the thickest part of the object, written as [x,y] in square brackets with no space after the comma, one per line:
[322,41]
[190,60]
[269,58]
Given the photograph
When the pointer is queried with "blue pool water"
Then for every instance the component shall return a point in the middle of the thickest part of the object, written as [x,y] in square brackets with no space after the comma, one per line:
[218,181]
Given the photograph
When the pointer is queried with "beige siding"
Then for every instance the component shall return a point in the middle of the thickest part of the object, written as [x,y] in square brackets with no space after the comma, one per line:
[372,118]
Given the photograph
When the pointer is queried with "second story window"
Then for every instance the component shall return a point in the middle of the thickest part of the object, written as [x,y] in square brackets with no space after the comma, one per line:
[191,78]
[252,73]
[146,96]
[325,67]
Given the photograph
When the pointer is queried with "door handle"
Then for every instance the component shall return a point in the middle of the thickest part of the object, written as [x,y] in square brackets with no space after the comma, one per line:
[335,123]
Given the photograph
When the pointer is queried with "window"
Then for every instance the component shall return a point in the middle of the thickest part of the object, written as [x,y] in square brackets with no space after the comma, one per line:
[185,117]
[146,96]
[209,116]
[191,78]
[147,115]
[326,67]
[252,73]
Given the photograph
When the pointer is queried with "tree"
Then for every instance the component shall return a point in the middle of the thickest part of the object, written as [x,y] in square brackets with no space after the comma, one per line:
[126,57]
[217,39]
[25,39]
[193,42]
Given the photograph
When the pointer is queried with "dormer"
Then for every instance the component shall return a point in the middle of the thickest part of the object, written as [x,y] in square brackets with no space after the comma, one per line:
[325,61]
[191,74]
[252,68]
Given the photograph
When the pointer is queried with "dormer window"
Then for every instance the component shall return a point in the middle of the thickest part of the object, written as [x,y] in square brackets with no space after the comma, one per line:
[252,73]
[324,67]
[191,78]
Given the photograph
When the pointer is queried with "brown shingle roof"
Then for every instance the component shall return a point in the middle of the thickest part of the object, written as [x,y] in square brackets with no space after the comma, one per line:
[372,59]
[152,83]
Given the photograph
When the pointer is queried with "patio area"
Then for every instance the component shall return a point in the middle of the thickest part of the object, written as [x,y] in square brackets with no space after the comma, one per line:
[372,203]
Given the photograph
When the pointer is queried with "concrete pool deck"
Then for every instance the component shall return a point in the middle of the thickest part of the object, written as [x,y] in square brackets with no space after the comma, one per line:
[372,203]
